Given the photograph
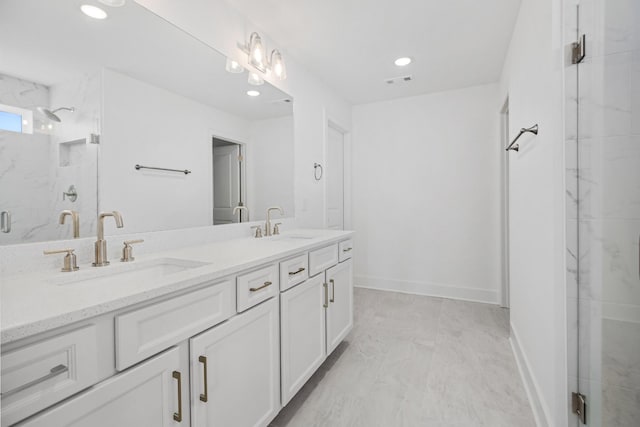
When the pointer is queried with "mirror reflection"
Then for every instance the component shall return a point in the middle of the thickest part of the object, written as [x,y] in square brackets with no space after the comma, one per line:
[104,115]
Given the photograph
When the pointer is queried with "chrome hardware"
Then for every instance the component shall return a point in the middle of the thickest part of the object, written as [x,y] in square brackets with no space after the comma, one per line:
[267,225]
[579,50]
[258,231]
[101,244]
[346,249]
[204,396]
[127,251]
[71,193]
[70,263]
[276,229]
[184,171]
[261,287]
[333,290]
[240,208]
[579,406]
[326,295]
[177,416]
[293,273]
[317,166]
[5,221]
[54,372]
[516,147]
[75,218]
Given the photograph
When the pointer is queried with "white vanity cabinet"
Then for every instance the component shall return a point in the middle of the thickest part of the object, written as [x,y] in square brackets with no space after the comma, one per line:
[235,370]
[145,395]
[339,280]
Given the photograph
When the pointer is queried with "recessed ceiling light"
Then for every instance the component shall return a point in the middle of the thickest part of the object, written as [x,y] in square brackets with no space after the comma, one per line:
[93,11]
[401,62]
[253,93]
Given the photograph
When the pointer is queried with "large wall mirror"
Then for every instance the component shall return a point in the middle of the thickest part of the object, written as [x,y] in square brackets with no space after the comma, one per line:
[130,113]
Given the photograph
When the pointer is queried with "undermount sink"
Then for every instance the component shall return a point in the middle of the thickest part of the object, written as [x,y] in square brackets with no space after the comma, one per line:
[135,271]
[291,237]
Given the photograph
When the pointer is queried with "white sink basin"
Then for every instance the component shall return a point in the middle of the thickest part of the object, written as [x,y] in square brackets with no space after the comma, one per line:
[143,271]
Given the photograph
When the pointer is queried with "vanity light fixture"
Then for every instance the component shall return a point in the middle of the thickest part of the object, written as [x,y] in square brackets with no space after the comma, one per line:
[93,11]
[113,3]
[277,65]
[403,61]
[259,60]
[253,93]
[233,66]
[255,79]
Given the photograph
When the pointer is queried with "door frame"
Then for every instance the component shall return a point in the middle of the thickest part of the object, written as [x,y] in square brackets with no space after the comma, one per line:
[504,203]
[330,121]
[244,197]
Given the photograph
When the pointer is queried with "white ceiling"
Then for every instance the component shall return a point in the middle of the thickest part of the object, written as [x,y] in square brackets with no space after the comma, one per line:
[50,42]
[351,44]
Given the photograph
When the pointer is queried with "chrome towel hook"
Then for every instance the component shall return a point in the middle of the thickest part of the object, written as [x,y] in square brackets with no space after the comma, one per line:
[317,166]
[515,147]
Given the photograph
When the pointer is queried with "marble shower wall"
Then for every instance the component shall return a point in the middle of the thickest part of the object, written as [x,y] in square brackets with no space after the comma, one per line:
[603,210]
[36,168]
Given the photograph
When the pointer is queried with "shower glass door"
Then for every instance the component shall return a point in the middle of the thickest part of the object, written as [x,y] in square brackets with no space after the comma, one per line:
[603,226]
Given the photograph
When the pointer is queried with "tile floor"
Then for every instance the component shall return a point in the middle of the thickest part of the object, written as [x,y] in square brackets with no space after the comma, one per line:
[416,361]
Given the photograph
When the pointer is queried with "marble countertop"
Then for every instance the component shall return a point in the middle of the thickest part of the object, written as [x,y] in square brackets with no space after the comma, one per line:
[37,302]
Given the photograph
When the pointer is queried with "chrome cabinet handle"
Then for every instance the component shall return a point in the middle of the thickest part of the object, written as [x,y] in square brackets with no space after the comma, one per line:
[177,416]
[261,287]
[5,221]
[293,273]
[346,249]
[333,290]
[204,396]
[54,372]
[326,295]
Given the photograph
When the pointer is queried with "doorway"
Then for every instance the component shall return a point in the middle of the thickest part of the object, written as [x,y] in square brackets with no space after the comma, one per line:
[228,182]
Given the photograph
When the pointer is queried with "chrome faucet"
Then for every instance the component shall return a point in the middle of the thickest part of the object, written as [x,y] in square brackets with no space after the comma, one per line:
[75,218]
[240,208]
[101,244]
[267,226]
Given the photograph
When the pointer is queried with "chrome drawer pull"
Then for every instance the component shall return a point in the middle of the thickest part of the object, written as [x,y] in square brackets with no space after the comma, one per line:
[204,396]
[346,249]
[326,295]
[293,273]
[333,290]
[177,416]
[261,287]
[54,372]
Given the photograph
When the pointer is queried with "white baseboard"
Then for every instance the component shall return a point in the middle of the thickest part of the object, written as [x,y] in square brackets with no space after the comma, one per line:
[530,384]
[428,289]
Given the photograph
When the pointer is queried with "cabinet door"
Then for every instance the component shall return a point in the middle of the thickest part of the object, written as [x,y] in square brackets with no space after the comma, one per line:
[302,333]
[145,395]
[340,309]
[235,370]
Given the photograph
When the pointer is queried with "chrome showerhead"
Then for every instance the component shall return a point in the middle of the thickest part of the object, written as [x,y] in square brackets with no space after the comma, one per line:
[51,115]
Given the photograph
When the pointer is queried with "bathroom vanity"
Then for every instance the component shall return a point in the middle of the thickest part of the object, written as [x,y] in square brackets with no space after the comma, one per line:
[222,334]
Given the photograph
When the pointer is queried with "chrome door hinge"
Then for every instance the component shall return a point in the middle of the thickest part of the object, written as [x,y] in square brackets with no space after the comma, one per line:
[579,50]
[579,406]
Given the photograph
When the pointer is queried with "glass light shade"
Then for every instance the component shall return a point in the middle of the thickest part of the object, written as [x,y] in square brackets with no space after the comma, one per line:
[113,3]
[255,79]
[277,65]
[233,66]
[256,52]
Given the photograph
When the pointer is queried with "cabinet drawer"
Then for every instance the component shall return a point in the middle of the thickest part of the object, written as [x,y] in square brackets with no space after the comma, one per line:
[41,374]
[294,271]
[257,286]
[149,330]
[345,250]
[321,259]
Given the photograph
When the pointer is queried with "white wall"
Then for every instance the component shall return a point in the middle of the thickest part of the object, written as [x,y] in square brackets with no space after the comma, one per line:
[426,194]
[222,27]
[532,79]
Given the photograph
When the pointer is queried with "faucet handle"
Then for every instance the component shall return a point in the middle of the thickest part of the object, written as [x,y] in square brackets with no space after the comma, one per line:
[258,231]
[276,229]
[127,251]
[70,262]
